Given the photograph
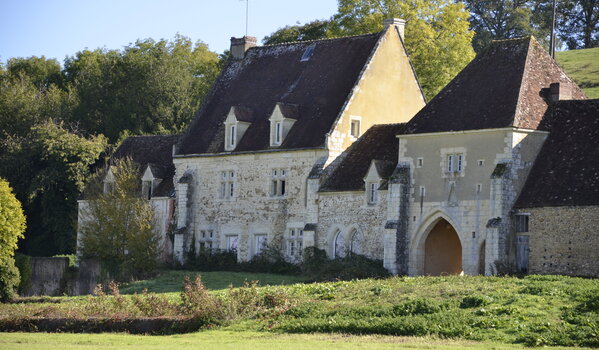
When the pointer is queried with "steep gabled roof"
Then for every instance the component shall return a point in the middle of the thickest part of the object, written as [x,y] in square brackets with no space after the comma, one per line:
[505,85]
[154,151]
[379,143]
[566,171]
[268,75]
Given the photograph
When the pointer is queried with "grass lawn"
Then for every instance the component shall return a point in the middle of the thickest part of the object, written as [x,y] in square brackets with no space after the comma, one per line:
[232,339]
[172,281]
[583,67]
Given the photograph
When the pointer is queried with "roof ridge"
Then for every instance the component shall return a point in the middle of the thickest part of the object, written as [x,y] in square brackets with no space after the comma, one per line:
[315,40]
[516,120]
[522,38]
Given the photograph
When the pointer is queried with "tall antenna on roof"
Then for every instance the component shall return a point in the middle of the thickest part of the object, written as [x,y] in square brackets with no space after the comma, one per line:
[247,11]
[552,38]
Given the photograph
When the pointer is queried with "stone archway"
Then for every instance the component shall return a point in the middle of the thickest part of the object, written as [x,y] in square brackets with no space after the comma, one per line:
[442,251]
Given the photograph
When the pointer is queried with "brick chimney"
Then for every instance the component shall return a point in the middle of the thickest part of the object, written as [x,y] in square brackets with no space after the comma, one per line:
[240,45]
[559,92]
[397,22]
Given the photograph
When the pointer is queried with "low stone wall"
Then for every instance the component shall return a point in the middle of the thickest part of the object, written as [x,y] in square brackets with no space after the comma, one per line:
[52,277]
[564,240]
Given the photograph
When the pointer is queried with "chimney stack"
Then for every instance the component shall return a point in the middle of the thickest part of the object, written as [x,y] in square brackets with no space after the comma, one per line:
[559,92]
[240,45]
[400,24]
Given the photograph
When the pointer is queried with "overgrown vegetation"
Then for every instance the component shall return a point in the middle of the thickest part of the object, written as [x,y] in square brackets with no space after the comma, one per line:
[534,311]
[12,225]
[119,225]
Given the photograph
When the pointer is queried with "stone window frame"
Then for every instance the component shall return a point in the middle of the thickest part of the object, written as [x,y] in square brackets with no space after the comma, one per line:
[227,187]
[522,222]
[339,241]
[277,185]
[355,233]
[372,193]
[206,240]
[453,162]
[259,248]
[419,162]
[295,243]
[355,127]
[228,242]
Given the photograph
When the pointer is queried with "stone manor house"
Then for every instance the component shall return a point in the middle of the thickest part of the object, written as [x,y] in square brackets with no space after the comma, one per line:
[330,143]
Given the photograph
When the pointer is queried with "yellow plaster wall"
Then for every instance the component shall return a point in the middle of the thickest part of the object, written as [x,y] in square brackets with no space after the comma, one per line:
[387,92]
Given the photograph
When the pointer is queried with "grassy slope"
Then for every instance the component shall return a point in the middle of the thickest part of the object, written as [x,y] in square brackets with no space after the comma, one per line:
[171,281]
[583,67]
[536,309]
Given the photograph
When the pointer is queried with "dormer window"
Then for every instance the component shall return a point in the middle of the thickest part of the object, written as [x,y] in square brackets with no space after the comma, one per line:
[373,195]
[308,53]
[281,120]
[238,121]
[146,189]
[372,182]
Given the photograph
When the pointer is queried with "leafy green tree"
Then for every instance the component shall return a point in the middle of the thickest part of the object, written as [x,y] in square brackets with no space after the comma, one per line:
[42,72]
[579,23]
[119,225]
[310,31]
[149,87]
[12,225]
[437,34]
[48,168]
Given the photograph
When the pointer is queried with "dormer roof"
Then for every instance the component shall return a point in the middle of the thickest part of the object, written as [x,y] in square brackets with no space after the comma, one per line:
[313,92]
[506,85]
[242,114]
[377,147]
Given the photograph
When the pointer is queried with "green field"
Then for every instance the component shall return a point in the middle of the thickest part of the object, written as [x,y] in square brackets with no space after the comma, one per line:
[234,339]
[583,67]
[434,312]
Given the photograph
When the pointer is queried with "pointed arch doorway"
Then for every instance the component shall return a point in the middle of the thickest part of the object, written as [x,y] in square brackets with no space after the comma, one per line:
[442,251]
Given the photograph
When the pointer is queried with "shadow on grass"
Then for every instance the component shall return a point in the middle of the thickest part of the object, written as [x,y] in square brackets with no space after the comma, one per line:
[172,281]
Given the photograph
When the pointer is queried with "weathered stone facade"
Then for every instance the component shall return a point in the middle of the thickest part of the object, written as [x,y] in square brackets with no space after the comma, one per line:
[563,240]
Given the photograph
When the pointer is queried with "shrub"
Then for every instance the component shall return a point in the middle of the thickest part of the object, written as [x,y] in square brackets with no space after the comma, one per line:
[9,278]
[317,266]
[23,263]
[475,301]
[153,305]
[416,307]
[199,304]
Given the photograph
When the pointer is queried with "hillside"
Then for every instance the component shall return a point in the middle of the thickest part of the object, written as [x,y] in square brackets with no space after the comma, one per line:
[583,67]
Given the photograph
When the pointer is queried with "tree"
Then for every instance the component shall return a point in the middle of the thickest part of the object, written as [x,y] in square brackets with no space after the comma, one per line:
[149,87]
[310,31]
[48,168]
[437,34]
[579,23]
[12,225]
[500,19]
[119,225]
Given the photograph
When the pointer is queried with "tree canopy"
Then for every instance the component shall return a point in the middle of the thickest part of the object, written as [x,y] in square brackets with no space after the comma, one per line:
[12,225]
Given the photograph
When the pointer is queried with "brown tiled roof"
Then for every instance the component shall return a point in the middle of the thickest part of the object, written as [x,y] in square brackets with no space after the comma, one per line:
[268,75]
[154,151]
[378,143]
[503,86]
[566,171]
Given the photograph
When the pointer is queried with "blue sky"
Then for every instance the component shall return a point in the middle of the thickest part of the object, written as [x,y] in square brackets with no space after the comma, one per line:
[59,28]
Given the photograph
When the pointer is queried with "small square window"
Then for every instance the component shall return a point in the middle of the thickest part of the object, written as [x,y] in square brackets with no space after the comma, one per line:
[481,162]
[419,162]
[307,53]
[479,188]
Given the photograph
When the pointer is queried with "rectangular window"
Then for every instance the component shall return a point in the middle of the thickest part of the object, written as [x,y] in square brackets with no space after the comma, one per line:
[422,191]
[372,193]
[419,162]
[147,189]
[355,128]
[260,243]
[232,242]
[455,163]
[460,162]
[521,222]
[278,132]
[481,162]
[232,136]
[278,183]
[450,163]
[479,188]
[227,185]
[292,248]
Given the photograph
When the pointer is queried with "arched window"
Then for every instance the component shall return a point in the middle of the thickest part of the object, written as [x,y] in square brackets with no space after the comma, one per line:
[339,249]
[355,244]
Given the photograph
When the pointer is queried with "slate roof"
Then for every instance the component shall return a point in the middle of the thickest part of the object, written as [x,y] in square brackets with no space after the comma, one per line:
[566,170]
[505,85]
[378,143]
[154,151]
[269,75]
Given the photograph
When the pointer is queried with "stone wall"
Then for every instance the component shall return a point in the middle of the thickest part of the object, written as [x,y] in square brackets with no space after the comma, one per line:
[348,212]
[564,240]
[53,277]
